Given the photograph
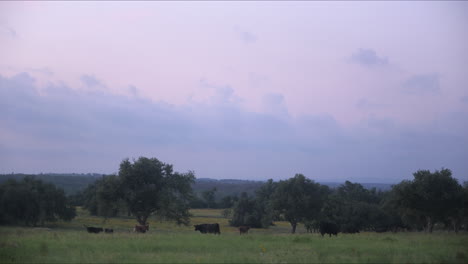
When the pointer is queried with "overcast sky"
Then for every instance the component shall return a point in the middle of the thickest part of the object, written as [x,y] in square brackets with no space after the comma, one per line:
[360,91]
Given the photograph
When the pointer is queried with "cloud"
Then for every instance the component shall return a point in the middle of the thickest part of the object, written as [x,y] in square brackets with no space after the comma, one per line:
[365,104]
[222,94]
[422,84]
[368,58]
[90,80]
[70,130]
[133,90]
[245,36]
[274,103]
[7,31]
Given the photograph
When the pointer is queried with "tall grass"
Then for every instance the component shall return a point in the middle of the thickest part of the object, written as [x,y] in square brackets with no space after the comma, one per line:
[166,242]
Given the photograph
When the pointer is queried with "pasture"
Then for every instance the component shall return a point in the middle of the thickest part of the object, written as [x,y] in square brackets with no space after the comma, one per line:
[168,243]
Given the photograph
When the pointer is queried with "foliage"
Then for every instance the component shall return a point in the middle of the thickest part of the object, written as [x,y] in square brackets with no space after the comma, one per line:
[245,212]
[33,202]
[149,186]
[354,208]
[298,199]
[209,197]
[71,183]
[429,198]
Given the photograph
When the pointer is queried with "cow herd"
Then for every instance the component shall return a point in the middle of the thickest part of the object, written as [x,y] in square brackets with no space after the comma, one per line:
[96,230]
[324,228]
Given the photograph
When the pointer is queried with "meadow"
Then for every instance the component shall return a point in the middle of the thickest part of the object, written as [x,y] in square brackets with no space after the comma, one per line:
[68,242]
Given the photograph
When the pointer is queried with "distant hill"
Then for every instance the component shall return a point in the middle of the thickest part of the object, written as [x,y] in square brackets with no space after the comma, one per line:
[72,183]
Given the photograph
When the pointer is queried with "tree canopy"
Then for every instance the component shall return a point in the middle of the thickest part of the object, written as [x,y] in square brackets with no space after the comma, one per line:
[298,199]
[429,197]
[33,202]
[149,186]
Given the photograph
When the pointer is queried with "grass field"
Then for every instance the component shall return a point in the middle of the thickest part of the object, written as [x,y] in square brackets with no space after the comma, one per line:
[168,243]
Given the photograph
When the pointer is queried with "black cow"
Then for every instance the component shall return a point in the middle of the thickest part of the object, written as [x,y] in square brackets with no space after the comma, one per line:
[328,228]
[244,229]
[208,228]
[108,230]
[349,228]
[93,229]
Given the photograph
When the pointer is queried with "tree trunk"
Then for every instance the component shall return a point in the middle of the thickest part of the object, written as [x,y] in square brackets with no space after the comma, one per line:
[430,224]
[455,225]
[294,225]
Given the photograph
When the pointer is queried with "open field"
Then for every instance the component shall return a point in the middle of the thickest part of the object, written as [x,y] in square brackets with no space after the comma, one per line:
[166,242]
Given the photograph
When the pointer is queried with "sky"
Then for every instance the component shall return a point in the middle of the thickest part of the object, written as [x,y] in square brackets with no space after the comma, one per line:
[360,91]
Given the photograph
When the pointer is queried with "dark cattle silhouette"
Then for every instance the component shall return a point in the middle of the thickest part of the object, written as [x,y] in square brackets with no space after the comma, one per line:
[141,228]
[244,229]
[328,228]
[91,229]
[208,228]
[349,228]
[108,230]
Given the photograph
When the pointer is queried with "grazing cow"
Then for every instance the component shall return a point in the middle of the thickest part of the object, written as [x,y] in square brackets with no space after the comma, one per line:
[108,230]
[208,228]
[328,228]
[91,229]
[141,228]
[349,228]
[244,229]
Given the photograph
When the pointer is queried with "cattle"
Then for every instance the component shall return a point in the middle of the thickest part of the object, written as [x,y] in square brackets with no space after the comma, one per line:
[91,229]
[244,229]
[108,230]
[328,228]
[141,228]
[349,228]
[208,228]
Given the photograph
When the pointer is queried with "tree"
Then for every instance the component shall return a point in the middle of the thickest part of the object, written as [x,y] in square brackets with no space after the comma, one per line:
[264,197]
[209,197]
[104,197]
[355,208]
[33,202]
[430,197]
[149,186]
[244,212]
[228,201]
[108,192]
[298,199]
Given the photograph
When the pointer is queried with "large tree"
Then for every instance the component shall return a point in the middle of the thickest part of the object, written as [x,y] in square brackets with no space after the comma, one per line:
[298,199]
[431,197]
[149,186]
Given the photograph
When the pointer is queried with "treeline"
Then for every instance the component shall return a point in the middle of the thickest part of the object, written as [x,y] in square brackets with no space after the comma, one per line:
[32,202]
[429,200]
[71,183]
[148,187]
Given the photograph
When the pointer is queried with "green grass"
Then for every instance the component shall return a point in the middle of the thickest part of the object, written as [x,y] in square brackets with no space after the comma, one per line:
[166,242]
